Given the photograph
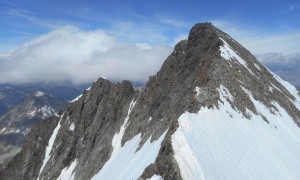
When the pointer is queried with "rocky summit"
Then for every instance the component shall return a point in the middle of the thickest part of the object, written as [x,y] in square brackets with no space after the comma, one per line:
[212,111]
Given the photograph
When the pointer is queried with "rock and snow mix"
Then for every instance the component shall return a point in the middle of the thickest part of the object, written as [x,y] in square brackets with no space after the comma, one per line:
[47,111]
[68,172]
[230,55]
[49,147]
[129,163]
[77,98]
[219,143]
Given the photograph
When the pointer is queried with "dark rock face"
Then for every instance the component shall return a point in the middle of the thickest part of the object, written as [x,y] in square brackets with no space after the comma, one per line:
[26,163]
[101,111]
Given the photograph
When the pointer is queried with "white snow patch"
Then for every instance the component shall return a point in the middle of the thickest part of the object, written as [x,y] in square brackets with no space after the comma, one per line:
[49,147]
[257,67]
[72,127]
[156,177]
[150,118]
[47,111]
[126,163]
[77,98]
[103,77]
[276,87]
[271,88]
[225,92]
[215,144]
[116,141]
[39,94]
[3,130]
[229,54]
[198,91]
[67,173]
[31,113]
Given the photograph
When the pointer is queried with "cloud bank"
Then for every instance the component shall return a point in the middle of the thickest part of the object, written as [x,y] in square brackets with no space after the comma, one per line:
[259,42]
[71,54]
[286,66]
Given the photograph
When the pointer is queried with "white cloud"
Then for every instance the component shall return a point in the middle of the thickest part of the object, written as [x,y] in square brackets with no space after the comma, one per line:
[259,42]
[286,66]
[71,54]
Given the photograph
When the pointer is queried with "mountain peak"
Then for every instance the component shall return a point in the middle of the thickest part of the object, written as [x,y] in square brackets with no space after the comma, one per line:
[209,93]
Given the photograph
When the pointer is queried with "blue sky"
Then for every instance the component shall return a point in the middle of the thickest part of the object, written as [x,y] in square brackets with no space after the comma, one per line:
[23,20]
[131,39]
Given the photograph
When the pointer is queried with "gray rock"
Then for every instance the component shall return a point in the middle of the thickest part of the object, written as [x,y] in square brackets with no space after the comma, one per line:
[100,112]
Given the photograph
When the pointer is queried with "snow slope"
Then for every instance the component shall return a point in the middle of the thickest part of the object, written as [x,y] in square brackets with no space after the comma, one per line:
[126,162]
[219,143]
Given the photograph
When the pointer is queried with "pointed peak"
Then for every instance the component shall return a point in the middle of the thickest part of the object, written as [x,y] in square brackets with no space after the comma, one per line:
[203,26]
[204,32]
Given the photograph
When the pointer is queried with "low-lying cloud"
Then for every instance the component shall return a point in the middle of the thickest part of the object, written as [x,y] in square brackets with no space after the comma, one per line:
[71,54]
[286,66]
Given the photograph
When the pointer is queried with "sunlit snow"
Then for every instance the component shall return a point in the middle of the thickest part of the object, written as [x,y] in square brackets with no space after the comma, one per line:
[257,67]
[156,177]
[222,144]
[72,127]
[125,162]
[198,91]
[77,98]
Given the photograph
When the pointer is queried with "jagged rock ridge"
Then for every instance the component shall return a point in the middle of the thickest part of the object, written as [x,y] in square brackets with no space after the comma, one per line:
[113,131]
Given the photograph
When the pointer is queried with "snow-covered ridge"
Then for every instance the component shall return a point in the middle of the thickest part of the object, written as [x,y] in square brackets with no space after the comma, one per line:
[39,94]
[103,77]
[220,143]
[77,98]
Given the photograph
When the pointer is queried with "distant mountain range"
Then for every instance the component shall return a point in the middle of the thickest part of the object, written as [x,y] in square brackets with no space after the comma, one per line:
[17,122]
[12,95]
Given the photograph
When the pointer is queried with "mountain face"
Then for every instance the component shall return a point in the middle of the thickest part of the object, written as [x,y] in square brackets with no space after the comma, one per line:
[213,111]
[12,95]
[15,124]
